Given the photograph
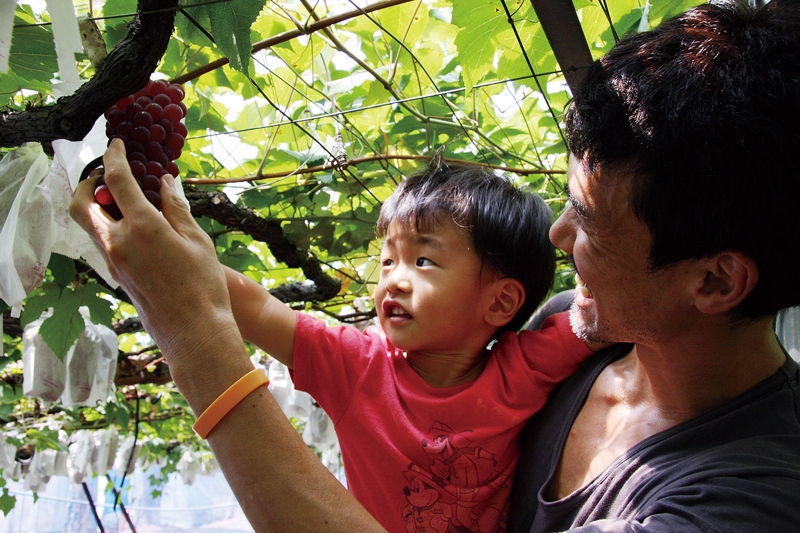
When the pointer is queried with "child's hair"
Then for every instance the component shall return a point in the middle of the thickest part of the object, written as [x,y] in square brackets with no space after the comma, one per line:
[509,227]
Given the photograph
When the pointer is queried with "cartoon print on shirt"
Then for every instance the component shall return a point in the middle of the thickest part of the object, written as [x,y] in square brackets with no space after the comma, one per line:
[458,490]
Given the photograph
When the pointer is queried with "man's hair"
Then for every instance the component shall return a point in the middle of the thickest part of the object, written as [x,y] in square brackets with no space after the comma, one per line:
[508,226]
[705,111]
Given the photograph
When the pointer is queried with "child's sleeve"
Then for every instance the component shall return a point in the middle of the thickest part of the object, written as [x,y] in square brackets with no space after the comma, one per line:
[553,352]
[331,361]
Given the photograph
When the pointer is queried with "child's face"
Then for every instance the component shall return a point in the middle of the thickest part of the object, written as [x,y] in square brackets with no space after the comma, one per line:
[430,296]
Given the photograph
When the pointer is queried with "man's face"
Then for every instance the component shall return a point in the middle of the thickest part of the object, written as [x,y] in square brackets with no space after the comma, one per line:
[617,298]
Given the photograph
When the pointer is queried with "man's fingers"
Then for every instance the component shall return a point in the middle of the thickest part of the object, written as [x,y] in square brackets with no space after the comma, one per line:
[175,208]
[119,178]
[82,200]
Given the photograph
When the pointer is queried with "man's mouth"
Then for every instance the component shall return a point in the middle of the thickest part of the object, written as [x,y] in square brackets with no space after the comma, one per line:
[581,286]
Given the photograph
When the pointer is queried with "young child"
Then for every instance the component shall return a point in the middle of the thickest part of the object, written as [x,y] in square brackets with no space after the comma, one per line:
[428,407]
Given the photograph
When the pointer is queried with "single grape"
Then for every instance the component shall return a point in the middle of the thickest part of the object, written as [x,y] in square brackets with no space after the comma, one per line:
[144,101]
[157,133]
[168,152]
[162,99]
[138,169]
[175,93]
[134,147]
[116,117]
[125,128]
[167,125]
[174,141]
[132,109]
[150,183]
[173,113]
[152,150]
[137,156]
[155,111]
[141,135]
[180,129]
[103,195]
[143,118]
[162,158]
[154,167]
[154,198]
[173,169]
[157,87]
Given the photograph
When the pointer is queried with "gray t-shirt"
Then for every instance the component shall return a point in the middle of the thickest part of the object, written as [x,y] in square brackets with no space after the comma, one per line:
[735,468]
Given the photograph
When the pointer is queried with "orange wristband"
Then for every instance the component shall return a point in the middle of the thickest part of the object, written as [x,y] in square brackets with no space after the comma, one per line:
[228,400]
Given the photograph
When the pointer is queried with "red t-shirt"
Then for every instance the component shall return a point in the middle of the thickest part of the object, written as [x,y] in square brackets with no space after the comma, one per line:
[421,458]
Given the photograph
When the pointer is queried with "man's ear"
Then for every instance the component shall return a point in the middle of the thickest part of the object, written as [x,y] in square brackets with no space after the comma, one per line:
[729,278]
[508,297]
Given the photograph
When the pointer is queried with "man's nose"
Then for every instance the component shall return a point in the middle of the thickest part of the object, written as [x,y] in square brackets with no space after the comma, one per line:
[563,230]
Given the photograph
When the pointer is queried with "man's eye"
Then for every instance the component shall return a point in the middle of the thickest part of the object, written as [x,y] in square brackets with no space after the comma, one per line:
[424,261]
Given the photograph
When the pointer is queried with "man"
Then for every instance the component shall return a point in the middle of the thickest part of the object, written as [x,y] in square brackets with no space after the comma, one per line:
[683,227]
[682,189]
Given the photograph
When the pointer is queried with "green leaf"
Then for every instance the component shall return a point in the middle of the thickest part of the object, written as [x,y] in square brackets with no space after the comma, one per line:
[229,23]
[42,299]
[7,502]
[32,60]
[480,21]
[46,439]
[66,324]
[117,24]
[100,309]
[62,268]
[238,257]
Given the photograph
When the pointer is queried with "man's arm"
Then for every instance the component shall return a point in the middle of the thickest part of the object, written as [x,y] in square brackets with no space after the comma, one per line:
[168,266]
[262,319]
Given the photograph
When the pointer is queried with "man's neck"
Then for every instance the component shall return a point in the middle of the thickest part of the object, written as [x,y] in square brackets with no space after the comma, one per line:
[705,368]
[656,387]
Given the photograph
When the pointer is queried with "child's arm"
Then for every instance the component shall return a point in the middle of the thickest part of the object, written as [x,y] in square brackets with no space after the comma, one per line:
[262,319]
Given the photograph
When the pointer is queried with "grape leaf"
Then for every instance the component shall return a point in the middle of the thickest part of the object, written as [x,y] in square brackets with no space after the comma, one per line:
[66,324]
[238,257]
[479,20]
[32,59]
[100,309]
[230,26]
[62,268]
[7,501]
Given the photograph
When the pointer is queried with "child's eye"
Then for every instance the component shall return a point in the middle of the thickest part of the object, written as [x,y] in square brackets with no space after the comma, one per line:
[424,261]
[387,262]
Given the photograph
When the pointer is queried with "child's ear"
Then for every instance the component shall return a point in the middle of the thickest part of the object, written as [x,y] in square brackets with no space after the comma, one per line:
[729,278]
[508,297]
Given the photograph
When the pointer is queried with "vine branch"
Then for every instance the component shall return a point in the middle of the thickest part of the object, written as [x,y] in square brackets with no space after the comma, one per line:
[126,70]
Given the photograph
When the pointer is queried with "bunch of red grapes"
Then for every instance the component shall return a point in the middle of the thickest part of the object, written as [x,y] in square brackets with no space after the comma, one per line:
[149,123]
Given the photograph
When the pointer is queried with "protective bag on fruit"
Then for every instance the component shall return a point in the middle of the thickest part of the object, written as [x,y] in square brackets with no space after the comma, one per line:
[79,462]
[26,214]
[90,364]
[43,374]
[69,159]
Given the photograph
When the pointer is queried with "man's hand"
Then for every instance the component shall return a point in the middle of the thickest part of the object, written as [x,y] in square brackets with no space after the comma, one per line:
[163,260]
